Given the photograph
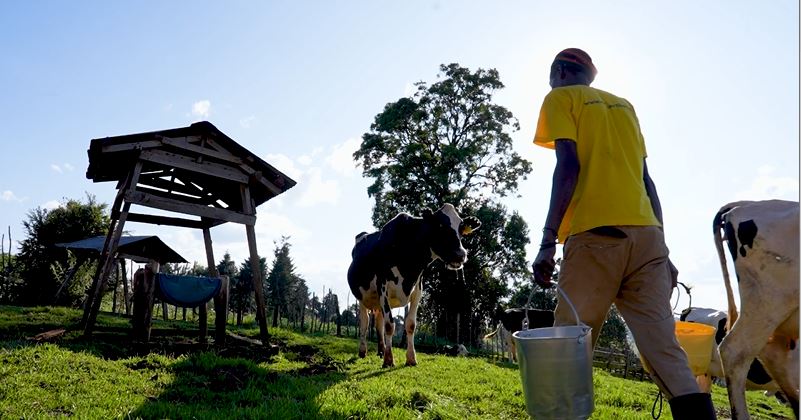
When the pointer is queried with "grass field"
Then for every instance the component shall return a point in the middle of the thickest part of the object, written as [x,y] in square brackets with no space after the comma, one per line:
[308,377]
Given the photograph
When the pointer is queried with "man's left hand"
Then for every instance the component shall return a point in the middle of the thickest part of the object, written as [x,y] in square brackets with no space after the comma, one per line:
[543,267]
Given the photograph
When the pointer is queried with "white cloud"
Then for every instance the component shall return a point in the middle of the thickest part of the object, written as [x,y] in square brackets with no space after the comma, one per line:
[201,108]
[284,164]
[69,167]
[247,122]
[56,168]
[272,226]
[51,205]
[9,195]
[318,190]
[341,157]
[766,186]
[305,160]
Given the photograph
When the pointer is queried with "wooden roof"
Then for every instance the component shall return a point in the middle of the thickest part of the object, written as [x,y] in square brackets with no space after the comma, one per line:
[198,165]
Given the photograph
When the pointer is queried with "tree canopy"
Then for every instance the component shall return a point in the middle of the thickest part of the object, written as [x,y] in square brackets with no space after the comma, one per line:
[41,260]
[449,143]
[446,143]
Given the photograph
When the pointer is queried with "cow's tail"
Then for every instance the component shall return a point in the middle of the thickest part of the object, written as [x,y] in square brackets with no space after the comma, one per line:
[717,227]
[492,334]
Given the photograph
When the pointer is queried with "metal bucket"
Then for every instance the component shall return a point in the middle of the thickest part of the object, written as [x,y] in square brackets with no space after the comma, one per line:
[556,369]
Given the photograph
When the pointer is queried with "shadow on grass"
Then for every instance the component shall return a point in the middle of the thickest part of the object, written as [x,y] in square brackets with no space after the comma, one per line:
[206,385]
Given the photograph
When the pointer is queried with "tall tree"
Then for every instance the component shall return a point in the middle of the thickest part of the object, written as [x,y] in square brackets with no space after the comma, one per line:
[450,143]
[40,258]
[281,279]
[227,266]
[242,296]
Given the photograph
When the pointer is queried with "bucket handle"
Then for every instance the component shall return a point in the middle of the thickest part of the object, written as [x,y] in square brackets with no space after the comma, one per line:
[564,295]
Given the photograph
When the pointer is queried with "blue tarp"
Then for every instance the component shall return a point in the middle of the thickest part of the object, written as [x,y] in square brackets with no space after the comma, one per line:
[187,291]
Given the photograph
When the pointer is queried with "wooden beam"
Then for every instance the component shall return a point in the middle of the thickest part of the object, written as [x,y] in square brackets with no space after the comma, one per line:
[257,175]
[187,163]
[183,143]
[148,144]
[187,198]
[109,249]
[163,184]
[150,200]
[167,221]
[130,183]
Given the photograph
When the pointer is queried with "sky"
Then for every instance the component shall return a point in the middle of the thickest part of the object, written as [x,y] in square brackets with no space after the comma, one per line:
[715,85]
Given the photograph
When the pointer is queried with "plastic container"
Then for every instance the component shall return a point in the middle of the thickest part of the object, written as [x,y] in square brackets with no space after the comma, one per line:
[698,341]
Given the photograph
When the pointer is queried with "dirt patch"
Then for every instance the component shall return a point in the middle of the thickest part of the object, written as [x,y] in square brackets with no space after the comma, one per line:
[317,361]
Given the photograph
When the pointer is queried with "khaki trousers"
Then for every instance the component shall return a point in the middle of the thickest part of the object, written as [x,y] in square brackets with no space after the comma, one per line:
[632,273]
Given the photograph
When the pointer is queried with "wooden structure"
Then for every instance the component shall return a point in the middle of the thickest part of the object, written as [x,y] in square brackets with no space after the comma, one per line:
[195,170]
[141,249]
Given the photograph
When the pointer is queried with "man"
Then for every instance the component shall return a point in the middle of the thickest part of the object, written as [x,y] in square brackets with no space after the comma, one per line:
[605,210]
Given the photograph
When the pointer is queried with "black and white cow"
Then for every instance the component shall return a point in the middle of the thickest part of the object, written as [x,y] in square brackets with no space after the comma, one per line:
[511,320]
[388,264]
[763,240]
[757,377]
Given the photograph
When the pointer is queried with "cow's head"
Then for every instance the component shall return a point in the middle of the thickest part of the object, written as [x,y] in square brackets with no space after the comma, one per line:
[445,230]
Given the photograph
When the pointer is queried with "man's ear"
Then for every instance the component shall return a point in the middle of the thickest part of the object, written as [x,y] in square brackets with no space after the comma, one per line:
[468,225]
[427,213]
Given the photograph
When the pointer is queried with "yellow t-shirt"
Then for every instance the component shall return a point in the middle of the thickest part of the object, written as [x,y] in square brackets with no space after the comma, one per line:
[610,189]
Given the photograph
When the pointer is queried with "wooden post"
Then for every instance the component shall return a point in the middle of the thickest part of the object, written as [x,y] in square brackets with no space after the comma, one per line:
[109,249]
[220,300]
[144,294]
[204,315]
[458,318]
[125,297]
[116,286]
[250,230]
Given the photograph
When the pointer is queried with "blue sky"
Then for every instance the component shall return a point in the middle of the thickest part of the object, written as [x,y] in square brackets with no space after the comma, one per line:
[715,85]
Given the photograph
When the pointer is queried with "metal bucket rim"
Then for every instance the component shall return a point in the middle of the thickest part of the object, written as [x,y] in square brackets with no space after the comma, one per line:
[583,330]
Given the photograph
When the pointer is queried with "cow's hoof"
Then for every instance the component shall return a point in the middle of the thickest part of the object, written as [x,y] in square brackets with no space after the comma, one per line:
[362,354]
[388,364]
[411,363]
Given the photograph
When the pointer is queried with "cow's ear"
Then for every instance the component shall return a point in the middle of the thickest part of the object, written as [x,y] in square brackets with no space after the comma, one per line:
[469,224]
[427,213]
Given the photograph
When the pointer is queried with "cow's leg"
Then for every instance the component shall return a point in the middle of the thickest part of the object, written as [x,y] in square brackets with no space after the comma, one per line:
[388,327]
[364,325]
[410,323]
[379,330]
[510,344]
[704,383]
[782,364]
[759,317]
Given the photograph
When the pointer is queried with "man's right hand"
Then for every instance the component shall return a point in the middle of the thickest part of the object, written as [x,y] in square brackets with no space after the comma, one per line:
[544,266]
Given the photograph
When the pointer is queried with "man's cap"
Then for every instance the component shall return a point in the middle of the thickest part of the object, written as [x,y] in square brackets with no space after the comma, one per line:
[577,56]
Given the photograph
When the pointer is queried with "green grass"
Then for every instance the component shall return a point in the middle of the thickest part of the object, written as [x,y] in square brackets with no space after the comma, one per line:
[310,377]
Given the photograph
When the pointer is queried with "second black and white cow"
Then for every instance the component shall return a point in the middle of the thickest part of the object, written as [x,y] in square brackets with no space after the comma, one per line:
[763,239]
[511,320]
[387,266]
[757,377]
